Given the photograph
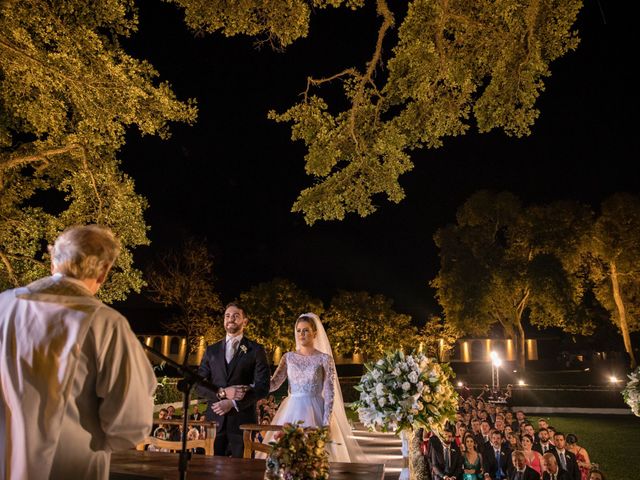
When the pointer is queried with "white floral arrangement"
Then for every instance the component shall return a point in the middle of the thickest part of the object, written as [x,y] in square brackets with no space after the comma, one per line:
[409,391]
[631,392]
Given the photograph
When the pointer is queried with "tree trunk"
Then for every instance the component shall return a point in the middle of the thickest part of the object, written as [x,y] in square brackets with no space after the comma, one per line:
[187,350]
[622,314]
[520,346]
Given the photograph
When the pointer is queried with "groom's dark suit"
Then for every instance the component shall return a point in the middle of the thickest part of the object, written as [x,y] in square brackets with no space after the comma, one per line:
[248,367]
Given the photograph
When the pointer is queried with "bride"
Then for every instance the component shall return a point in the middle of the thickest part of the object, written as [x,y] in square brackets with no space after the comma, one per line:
[314,392]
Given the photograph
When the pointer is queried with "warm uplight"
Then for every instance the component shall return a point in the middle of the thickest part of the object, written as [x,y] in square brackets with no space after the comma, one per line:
[613,379]
[460,384]
[521,383]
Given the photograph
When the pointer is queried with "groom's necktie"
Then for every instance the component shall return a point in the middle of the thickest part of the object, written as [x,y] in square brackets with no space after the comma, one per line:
[232,347]
[447,460]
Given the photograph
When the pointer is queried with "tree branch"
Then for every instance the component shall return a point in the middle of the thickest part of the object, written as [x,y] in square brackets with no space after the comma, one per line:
[11,162]
[10,272]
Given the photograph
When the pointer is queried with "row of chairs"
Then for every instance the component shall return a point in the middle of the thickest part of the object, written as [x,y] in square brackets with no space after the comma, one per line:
[249,433]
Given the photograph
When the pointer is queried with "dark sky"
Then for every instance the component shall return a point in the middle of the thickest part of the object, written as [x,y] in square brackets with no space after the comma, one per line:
[233,177]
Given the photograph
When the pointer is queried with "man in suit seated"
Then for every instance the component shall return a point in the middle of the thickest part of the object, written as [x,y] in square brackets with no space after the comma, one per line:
[445,459]
[564,458]
[496,458]
[552,470]
[522,471]
[543,445]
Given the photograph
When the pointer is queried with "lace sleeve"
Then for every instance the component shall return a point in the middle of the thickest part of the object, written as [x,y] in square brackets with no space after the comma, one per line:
[328,388]
[279,375]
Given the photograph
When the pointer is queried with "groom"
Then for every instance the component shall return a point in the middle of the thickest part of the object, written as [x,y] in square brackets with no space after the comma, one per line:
[238,368]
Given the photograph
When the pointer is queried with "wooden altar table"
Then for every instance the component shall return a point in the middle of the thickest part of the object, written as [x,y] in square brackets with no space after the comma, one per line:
[133,464]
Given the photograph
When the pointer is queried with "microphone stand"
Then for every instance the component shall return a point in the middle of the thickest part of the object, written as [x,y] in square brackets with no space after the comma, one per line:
[185,385]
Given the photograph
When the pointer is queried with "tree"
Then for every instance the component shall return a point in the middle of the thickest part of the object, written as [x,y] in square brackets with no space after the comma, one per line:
[504,263]
[185,282]
[272,308]
[614,259]
[438,337]
[68,94]
[361,323]
[454,63]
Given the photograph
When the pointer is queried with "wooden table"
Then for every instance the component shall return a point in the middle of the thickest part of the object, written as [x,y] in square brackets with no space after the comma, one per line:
[132,464]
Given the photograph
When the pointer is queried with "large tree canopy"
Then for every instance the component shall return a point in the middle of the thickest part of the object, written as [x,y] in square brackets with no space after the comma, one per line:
[455,64]
[68,94]
[503,262]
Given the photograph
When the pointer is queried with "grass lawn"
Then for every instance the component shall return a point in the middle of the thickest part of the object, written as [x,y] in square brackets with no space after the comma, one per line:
[611,440]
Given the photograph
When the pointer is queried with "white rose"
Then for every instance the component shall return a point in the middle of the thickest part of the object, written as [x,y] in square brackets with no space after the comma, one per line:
[413,377]
[403,366]
[406,386]
[376,374]
[396,372]
[380,363]
[382,401]
[379,389]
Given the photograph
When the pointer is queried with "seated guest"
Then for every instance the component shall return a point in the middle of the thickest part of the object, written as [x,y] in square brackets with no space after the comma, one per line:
[196,415]
[484,437]
[522,471]
[461,430]
[509,420]
[520,419]
[565,458]
[175,431]
[513,441]
[472,463]
[596,474]
[162,414]
[527,428]
[543,445]
[552,470]
[446,461]
[582,457]
[496,458]
[533,458]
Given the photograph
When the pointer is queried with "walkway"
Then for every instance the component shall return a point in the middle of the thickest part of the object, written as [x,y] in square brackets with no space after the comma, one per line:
[381,448]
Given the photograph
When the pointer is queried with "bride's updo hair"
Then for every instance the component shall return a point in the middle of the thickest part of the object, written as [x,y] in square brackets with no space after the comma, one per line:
[305,317]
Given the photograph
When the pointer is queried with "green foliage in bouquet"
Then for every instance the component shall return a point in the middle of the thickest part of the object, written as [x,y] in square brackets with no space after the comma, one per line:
[631,392]
[406,391]
[299,454]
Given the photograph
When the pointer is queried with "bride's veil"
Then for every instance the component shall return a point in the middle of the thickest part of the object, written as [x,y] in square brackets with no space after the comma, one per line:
[339,420]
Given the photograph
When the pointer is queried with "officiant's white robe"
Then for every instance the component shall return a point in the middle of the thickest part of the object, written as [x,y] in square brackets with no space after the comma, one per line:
[75,383]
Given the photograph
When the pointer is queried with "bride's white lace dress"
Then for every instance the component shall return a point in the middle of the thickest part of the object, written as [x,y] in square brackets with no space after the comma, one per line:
[311,400]
[310,388]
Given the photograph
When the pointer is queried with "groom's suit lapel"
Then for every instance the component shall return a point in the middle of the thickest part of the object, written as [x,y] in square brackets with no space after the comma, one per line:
[236,358]
[220,357]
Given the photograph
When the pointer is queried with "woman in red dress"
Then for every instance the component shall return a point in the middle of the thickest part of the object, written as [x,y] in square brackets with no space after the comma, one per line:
[582,457]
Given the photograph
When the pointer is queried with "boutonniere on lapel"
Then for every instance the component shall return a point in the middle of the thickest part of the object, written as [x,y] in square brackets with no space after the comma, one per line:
[243,349]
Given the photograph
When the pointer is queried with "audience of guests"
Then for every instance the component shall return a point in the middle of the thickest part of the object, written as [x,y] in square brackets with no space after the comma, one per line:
[490,442]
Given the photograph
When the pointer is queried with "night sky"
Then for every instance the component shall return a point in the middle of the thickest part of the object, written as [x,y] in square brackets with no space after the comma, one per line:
[233,176]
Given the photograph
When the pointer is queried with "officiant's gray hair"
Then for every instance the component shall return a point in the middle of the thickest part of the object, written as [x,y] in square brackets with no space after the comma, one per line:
[309,318]
[84,251]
